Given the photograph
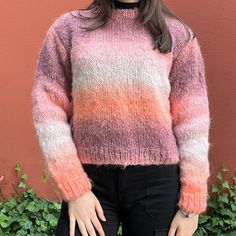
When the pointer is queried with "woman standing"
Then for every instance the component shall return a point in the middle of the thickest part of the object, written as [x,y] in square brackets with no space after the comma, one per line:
[122,116]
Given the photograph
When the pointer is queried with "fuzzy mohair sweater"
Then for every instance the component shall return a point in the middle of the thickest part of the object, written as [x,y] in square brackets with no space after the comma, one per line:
[106,97]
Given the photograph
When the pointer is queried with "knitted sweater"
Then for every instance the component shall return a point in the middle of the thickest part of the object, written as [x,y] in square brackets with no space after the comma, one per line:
[106,97]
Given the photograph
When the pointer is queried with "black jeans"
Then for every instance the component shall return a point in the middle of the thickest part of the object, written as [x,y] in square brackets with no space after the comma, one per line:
[142,198]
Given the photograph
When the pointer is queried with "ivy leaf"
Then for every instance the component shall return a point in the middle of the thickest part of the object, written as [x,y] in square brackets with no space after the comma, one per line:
[212,203]
[219,176]
[228,234]
[215,188]
[24,176]
[233,207]
[32,207]
[53,221]
[4,224]
[57,205]
[223,198]
[225,169]
[225,185]
[18,167]
[21,184]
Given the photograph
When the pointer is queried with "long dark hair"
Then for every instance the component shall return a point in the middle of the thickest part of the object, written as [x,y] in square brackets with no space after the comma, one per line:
[151,15]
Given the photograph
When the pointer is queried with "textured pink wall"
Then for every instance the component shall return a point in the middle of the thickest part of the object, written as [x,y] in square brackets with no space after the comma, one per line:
[23,25]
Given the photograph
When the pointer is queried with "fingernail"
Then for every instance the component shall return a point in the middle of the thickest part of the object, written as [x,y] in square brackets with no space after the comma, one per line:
[104,218]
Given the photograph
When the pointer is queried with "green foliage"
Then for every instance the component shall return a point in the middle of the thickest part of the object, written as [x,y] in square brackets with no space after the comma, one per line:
[220,218]
[27,214]
[119,231]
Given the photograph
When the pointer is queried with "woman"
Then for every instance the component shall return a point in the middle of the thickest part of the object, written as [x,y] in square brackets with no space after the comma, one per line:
[121,112]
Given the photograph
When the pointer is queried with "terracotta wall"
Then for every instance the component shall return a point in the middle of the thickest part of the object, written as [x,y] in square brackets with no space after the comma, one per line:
[23,26]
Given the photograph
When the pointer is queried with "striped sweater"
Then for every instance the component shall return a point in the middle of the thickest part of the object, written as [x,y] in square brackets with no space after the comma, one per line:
[106,97]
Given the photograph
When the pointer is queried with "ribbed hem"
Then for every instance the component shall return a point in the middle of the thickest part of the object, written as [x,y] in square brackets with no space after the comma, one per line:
[127,156]
[71,190]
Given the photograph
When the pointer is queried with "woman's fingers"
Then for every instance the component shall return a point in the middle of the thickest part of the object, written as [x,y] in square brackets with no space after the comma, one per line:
[83,210]
[72,226]
[97,225]
[99,210]
[82,228]
[90,229]
[172,231]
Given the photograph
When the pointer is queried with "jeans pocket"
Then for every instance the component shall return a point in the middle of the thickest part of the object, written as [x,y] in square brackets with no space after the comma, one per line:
[162,190]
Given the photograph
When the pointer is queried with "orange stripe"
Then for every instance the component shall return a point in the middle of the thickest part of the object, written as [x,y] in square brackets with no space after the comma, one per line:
[137,102]
[193,188]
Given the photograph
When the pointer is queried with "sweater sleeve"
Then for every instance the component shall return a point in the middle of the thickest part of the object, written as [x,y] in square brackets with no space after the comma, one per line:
[52,110]
[191,123]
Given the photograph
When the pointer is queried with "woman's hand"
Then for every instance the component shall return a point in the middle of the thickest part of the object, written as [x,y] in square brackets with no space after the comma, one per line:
[83,210]
[183,226]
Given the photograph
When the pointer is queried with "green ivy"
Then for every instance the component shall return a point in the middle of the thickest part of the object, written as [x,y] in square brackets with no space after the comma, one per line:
[28,215]
[220,218]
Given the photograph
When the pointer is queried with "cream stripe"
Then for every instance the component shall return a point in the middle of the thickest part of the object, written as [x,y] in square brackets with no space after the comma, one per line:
[55,139]
[195,148]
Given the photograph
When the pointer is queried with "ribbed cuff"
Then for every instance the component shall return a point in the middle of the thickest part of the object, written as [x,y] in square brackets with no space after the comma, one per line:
[195,201]
[72,189]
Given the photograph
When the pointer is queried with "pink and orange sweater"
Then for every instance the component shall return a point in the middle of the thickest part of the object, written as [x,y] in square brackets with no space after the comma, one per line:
[106,97]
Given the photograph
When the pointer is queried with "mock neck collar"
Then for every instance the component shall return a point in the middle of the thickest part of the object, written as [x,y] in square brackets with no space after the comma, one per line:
[117,13]
[122,13]
[125,5]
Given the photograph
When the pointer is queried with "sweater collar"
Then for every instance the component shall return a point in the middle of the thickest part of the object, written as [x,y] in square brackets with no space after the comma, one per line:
[125,5]
[123,13]
[117,13]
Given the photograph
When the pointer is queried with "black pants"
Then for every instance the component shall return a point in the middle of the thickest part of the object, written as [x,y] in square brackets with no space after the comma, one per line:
[142,198]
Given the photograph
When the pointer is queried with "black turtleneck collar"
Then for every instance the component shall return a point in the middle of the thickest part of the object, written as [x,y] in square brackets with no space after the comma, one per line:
[125,5]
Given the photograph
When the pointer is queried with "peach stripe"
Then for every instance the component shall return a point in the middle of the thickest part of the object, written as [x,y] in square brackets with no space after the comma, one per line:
[197,106]
[122,102]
